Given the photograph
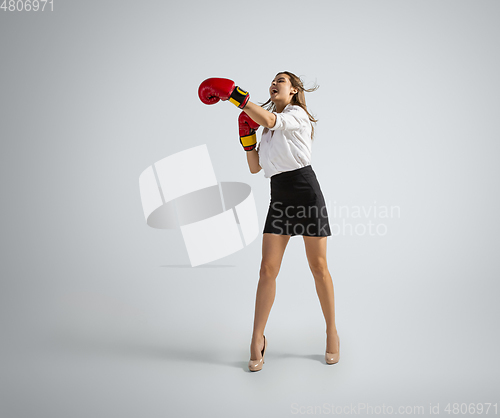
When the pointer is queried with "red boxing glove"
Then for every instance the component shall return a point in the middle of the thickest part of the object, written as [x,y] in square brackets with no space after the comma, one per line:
[248,126]
[214,89]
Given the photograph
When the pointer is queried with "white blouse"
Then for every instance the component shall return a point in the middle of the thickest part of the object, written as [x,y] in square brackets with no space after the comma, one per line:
[288,145]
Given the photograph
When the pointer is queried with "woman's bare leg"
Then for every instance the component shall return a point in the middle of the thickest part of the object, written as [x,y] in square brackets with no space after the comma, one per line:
[316,256]
[273,248]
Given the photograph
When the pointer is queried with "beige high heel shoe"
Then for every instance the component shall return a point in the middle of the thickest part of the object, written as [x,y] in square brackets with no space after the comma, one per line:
[332,358]
[256,365]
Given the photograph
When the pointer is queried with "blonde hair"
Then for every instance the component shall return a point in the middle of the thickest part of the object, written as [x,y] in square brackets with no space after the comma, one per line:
[298,98]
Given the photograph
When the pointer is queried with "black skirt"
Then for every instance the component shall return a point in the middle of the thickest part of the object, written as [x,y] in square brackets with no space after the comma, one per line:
[297,205]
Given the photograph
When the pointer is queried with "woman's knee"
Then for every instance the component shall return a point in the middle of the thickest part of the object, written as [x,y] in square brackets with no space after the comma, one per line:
[269,270]
[319,269]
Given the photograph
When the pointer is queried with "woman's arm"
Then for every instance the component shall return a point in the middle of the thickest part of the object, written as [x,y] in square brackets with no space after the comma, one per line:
[253,160]
[260,115]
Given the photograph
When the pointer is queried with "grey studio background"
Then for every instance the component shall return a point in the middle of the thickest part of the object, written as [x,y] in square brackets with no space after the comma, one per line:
[102,315]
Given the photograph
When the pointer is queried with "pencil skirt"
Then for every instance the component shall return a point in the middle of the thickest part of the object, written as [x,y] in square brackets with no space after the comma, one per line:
[297,205]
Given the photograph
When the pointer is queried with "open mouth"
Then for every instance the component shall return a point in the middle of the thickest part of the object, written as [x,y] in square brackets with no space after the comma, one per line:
[274,91]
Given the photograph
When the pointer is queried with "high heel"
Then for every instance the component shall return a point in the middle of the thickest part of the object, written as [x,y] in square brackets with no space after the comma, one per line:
[332,358]
[256,365]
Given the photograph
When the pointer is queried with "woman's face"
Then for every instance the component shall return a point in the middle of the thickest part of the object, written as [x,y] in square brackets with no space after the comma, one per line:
[281,89]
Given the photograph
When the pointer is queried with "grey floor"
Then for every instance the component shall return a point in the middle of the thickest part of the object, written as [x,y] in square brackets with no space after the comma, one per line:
[169,340]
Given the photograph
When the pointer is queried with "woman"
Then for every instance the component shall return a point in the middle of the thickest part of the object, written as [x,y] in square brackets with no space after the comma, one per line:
[297,205]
